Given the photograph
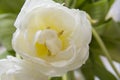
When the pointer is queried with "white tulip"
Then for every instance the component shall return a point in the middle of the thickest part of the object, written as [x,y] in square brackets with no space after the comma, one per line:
[52,37]
[114,11]
[17,69]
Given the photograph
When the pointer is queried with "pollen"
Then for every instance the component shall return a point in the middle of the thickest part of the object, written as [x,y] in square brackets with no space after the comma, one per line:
[41,50]
[50,42]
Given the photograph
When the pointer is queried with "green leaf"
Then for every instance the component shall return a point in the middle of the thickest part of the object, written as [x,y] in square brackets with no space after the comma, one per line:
[10,6]
[6,30]
[99,69]
[68,3]
[110,33]
[94,67]
[79,3]
[6,53]
[56,78]
[87,70]
[97,9]
[111,2]
[59,1]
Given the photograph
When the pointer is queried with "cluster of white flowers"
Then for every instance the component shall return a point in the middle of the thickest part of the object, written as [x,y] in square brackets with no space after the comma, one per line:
[51,38]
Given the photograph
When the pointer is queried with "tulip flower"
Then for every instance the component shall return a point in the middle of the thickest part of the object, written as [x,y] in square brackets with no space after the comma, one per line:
[54,38]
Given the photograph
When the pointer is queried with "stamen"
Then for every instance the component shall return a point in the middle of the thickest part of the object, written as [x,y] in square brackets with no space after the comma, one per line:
[60,33]
[48,27]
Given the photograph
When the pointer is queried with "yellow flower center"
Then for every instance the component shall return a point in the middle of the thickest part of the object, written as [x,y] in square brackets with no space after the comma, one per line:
[50,41]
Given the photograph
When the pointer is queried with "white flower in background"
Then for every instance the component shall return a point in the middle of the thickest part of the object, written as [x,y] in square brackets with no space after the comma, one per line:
[17,69]
[52,37]
[114,11]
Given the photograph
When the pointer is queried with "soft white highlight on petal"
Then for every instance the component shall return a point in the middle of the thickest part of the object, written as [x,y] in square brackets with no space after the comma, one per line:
[17,69]
[114,11]
[30,5]
[65,32]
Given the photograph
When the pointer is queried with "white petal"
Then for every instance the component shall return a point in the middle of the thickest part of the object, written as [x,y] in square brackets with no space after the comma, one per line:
[114,11]
[82,33]
[19,38]
[60,67]
[30,5]
[16,69]
[37,13]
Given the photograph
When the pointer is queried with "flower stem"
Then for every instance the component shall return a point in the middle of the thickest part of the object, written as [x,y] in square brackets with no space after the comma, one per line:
[104,49]
[70,75]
